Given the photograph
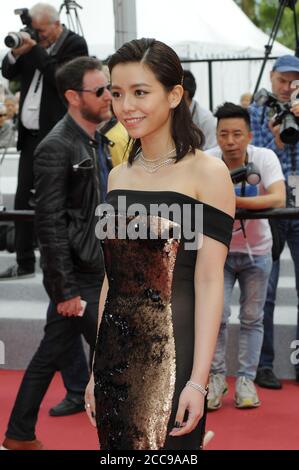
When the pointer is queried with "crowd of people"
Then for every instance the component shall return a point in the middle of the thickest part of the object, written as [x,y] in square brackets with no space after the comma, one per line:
[154,313]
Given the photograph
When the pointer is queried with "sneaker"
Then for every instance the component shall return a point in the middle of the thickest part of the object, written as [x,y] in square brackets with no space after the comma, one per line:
[16,272]
[266,378]
[246,395]
[217,389]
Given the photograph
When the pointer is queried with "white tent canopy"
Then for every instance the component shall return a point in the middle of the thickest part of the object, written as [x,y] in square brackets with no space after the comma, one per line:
[207,28]
[210,29]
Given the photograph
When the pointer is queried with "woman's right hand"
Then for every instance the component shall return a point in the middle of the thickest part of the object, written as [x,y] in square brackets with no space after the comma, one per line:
[90,405]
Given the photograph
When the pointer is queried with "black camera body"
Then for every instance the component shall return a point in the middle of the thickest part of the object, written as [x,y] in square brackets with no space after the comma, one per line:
[289,124]
[15,40]
[248,173]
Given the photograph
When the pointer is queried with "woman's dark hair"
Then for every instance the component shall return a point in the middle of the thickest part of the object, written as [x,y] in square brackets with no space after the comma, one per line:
[166,66]
[230,110]
[70,75]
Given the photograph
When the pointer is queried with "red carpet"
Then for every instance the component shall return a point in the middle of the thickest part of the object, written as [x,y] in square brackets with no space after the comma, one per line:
[66,433]
[272,426]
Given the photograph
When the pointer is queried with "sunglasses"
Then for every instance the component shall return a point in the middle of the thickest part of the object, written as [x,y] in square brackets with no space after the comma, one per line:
[3,115]
[97,91]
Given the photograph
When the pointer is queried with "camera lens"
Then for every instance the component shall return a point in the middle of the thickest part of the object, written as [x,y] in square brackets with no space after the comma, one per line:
[13,40]
[253,179]
[289,131]
[253,176]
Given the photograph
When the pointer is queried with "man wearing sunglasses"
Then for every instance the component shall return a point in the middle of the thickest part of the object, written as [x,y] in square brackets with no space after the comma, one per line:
[67,171]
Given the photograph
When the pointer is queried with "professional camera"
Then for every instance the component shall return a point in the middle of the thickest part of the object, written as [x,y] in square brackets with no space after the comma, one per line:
[14,40]
[248,173]
[289,128]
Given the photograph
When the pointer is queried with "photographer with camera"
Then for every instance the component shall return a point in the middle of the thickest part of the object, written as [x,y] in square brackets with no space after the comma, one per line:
[37,52]
[269,133]
[249,260]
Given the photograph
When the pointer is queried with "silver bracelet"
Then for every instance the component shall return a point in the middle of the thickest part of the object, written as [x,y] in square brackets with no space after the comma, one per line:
[198,387]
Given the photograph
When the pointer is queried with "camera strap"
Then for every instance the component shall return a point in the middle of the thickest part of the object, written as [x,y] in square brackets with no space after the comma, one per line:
[243,193]
[52,51]
[56,47]
[293,159]
[39,79]
[242,224]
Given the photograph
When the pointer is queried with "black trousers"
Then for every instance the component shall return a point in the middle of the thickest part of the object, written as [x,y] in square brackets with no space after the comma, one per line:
[25,234]
[54,353]
[75,376]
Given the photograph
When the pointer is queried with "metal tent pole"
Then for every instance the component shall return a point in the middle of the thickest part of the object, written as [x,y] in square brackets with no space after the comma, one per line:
[125,21]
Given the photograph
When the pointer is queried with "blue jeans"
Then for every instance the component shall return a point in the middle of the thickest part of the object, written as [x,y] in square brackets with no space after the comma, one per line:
[253,280]
[288,232]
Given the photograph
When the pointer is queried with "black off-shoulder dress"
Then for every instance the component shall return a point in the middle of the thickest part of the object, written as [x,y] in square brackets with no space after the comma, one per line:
[144,351]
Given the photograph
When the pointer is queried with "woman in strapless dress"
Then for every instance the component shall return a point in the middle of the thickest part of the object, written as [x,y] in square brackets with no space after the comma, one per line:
[165,231]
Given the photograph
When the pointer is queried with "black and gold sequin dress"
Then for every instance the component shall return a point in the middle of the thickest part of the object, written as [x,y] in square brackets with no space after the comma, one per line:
[144,352]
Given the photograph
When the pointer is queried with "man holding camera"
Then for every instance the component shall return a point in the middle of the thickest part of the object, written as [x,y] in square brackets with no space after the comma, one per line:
[249,260]
[266,134]
[34,62]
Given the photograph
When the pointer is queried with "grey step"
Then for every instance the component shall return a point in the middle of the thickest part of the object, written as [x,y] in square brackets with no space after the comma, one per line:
[287,267]
[8,201]
[286,294]
[27,290]
[8,259]
[32,289]
[283,315]
[24,310]
[20,338]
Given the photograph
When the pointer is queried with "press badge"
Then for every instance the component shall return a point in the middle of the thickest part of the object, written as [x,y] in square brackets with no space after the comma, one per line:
[293,183]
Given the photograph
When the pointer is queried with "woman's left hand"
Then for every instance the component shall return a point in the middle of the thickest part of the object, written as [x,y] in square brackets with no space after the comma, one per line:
[191,400]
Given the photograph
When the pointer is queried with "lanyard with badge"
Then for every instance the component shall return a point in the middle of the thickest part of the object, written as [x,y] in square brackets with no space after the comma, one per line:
[242,222]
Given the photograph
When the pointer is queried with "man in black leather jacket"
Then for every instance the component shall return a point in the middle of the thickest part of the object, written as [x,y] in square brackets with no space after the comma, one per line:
[67,187]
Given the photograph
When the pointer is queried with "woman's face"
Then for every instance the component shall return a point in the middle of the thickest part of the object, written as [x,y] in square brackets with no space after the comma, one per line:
[139,100]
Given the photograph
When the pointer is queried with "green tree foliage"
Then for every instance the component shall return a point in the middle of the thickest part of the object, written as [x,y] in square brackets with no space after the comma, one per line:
[250,9]
[263,14]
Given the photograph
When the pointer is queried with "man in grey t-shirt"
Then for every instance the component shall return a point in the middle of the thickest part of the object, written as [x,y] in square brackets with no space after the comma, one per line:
[203,118]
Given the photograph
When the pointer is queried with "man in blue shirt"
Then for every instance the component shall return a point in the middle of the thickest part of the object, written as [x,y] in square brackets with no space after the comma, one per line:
[265,134]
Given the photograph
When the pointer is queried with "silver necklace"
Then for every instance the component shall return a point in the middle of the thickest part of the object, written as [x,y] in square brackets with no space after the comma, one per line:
[151,166]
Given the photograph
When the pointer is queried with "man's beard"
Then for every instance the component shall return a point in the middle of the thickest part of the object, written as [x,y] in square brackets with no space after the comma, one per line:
[95,118]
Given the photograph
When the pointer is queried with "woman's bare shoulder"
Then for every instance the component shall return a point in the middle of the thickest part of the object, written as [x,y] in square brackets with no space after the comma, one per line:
[116,175]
